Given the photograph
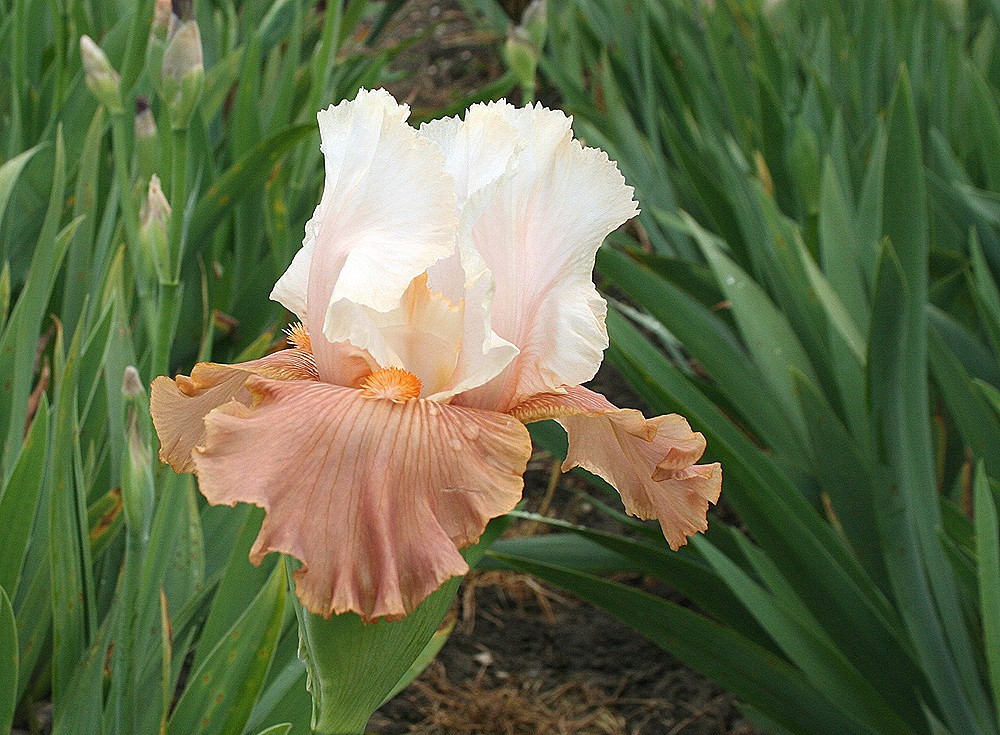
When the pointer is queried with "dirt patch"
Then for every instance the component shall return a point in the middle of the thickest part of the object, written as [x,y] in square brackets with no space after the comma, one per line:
[536,662]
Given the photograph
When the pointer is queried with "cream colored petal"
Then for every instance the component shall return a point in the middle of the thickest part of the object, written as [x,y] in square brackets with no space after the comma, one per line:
[480,156]
[538,236]
[374,497]
[649,461]
[388,212]
[447,345]
[479,149]
[291,289]
[484,353]
[179,406]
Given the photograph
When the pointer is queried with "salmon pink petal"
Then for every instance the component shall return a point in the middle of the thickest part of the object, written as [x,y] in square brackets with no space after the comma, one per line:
[387,214]
[538,235]
[649,461]
[373,496]
[179,406]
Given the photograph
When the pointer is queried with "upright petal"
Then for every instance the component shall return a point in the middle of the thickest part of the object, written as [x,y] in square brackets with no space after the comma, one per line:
[651,462]
[480,156]
[387,213]
[479,150]
[538,235]
[179,406]
[373,496]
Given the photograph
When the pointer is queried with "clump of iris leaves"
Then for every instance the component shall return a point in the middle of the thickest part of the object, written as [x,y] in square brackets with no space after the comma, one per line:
[812,281]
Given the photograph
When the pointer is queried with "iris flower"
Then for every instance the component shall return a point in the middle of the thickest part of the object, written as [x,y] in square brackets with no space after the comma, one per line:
[445,295]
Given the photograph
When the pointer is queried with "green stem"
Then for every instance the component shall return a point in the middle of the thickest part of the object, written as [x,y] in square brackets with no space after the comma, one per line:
[18,52]
[59,67]
[122,681]
[178,202]
[130,211]
[130,217]
[169,302]
[135,48]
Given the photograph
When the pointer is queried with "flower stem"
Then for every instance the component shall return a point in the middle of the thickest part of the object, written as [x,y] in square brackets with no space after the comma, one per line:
[130,217]
[178,201]
[171,290]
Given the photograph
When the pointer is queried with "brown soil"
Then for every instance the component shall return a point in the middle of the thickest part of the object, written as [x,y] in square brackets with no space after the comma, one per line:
[536,662]
[452,59]
[525,659]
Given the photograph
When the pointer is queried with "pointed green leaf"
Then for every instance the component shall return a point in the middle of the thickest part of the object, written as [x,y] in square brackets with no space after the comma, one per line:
[8,662]
[19,498]
[769,337]
[244,176]
[240,582]
[9,173]
[988,565]
[753,674]
[276,730]
[803,639]
[711,343]
[986,293]
[977,422]
[72,587]
[888,352]
[221,692]
[354,665]
[423,659]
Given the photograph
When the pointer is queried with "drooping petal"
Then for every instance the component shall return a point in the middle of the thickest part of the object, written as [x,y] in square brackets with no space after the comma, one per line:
[538,236]
[651,462]
[387,213]
[373,496]
[179,406]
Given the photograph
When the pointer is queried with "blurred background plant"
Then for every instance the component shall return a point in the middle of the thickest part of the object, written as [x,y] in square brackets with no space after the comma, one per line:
[812,281]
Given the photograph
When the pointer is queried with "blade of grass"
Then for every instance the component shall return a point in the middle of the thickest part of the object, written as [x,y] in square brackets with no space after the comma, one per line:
[8,661]
[988,568]
[909,432]
[769,337]
[72,588]
[888,349]
[223,690]
[19,499]
[245,175]
[711,343]
[19,342]
[803,639]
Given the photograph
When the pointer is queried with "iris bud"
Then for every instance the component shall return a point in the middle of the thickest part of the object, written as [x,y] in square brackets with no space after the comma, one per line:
[101,78]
